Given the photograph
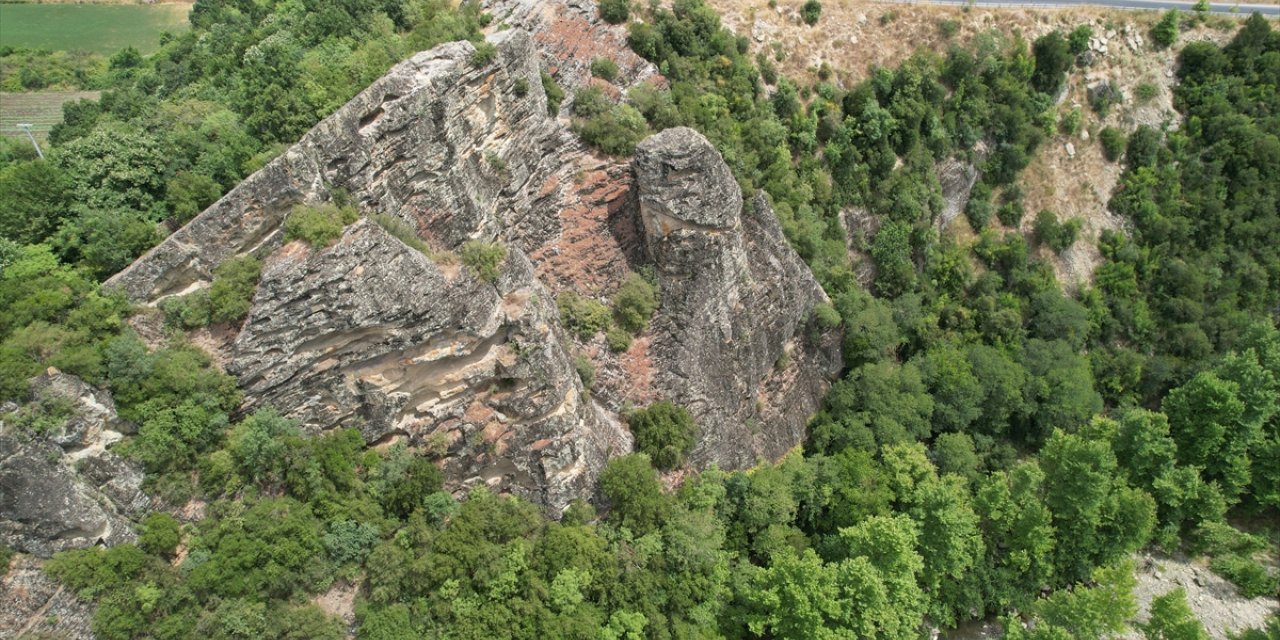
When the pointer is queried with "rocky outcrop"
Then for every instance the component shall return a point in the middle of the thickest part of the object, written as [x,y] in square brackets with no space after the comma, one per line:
[60,488]
[374,334]
[956,179]
[34,605]
[733,335]
[411,346]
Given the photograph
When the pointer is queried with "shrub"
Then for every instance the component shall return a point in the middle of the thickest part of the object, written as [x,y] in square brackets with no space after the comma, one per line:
[1078,41]
[1058,236]
[318,225]
[349,541]
[234,282]
[826,316]
[634,303]
[664,432]
[586,370]
[616,132]
[403,231]
[1113,143]
[521,88]
[159,534]
[811,11]
[584,316]
[485,258]
[1146,92]
[605,69]
[6,556]
[484,54]
[1069,124]
[1010,214]
[949,28]
[1166,31]
[555,95]
[1103,96]
[1249,575]
[615,11]
[590,102]
[618,339]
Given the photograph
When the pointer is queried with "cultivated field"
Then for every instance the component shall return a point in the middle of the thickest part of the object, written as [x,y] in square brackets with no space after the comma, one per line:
[42,110]
[99,28]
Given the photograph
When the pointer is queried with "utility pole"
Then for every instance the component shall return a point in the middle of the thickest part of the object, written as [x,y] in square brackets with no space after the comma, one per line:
[27,128]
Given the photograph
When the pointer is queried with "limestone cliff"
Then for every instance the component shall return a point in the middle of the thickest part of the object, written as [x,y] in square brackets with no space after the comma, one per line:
[374,334]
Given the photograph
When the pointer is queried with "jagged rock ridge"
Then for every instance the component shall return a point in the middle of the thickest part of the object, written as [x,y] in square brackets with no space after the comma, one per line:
[373,334]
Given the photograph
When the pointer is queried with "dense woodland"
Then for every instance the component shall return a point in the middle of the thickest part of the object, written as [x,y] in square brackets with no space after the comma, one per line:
[994,447]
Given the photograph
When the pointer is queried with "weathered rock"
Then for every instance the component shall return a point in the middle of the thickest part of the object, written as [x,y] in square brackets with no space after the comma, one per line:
[60,488]
[45,507]
[32,604]
[731,335]
[957,179]
[375,334]
[90,411]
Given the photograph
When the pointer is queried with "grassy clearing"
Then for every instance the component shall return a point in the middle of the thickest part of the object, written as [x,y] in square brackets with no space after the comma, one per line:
[42,109]
[102,29]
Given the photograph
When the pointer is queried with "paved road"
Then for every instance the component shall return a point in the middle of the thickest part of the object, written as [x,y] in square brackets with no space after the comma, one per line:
[1269,10]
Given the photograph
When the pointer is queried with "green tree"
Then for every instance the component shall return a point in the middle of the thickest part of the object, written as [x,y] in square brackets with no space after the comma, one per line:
[811,11]
[1166,31]
[615,11]
[1172,619]
[1053,59]
[664,432]
[35,197]
[632,488]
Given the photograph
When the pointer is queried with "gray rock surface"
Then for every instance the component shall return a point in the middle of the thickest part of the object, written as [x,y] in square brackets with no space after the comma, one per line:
[733,335]
[61,488]
[34,605]
[373,334]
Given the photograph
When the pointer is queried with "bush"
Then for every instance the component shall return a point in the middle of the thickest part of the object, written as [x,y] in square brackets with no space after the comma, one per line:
[949,28]
[159,534]
[605,69]
[1058,236]
[555,94]
[349,542]
[403,231]
[1069,124]
[584,316]
[618,339]
[1103,96]
[586,370]
[1249,575]
[615,11]
[811,11]
[234,282]
[226,300]
[484,54]
[1166,31]
[484,258]
[318,225]
[635,303]
[664,432]
[1145,92]
[1078,41]
[616,131]
[1010,214]
[1113,143]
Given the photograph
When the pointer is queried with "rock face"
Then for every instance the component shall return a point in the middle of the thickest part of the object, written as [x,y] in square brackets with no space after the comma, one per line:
[374,334]
[34,605]
[60,488]
[733,331]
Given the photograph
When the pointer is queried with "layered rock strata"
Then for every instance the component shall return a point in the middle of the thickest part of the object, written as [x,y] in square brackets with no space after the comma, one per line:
[411,346]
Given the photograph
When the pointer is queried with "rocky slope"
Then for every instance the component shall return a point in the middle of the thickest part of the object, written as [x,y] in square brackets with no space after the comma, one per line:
[374,334]
[59,487]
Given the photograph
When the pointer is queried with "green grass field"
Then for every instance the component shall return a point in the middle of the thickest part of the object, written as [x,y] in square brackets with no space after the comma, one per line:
[102,29]
[41,109]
